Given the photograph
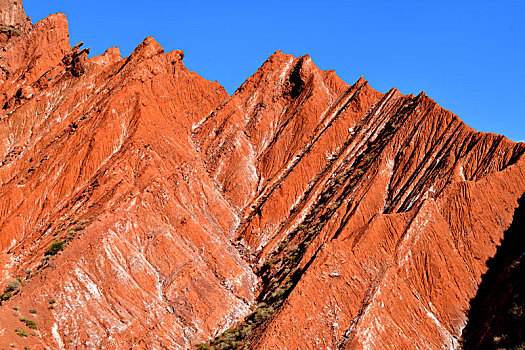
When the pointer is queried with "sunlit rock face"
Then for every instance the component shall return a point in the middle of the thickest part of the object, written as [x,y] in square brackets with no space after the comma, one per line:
[141,206]
[13,20]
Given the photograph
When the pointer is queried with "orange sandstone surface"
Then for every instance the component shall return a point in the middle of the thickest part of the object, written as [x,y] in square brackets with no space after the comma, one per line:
[142,207]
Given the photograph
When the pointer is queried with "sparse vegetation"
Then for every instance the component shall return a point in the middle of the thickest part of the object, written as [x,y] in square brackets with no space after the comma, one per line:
[11,288]
[55,248]
[29,323]
[33,312]
[21,332]
[59,245]
[270,263]
[285,266]
[13,285]
[6,296]
[235,338]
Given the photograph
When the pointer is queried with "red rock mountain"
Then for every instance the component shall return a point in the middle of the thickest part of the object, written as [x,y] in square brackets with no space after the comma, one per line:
[142,207]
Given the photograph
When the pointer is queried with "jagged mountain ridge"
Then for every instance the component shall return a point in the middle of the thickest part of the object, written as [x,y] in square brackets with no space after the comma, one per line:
[181,208]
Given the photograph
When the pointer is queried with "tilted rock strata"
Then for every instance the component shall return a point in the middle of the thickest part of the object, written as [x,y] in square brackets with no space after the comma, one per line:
[390,196]
[108,146]
[362,219]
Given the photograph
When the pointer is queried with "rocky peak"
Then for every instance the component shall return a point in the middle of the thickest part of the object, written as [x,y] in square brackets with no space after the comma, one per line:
[143,207]
[13,19]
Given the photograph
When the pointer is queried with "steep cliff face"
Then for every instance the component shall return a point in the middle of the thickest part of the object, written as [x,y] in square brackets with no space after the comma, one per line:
[143,207]
[13,20]
[496,318]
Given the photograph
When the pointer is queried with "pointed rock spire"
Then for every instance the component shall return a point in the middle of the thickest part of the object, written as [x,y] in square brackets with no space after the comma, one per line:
[12,15]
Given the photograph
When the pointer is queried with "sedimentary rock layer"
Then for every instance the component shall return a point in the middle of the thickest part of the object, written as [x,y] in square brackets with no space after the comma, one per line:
[141,206]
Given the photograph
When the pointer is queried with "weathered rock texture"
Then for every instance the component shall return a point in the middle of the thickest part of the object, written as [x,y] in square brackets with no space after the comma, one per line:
[13,20]
[143,207]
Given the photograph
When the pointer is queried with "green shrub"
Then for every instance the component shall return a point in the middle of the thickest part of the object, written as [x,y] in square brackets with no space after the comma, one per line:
[21,332]
[270,263]
[31,324]
[326,197]
[52,301]
[55,248]
[6,296]
[12,285]
[278,292]
[33,311]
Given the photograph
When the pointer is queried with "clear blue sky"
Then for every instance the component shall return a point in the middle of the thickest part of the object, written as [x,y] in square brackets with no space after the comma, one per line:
[467,55]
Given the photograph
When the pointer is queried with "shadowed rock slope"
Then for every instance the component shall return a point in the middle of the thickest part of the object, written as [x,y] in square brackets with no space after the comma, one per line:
[497,313]
[143,207]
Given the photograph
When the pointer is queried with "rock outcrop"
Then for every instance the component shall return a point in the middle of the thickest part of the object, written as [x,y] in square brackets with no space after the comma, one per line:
[143,207]
[13,19]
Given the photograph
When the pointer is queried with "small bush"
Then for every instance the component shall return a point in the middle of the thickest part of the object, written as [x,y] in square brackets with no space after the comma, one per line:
[13,285]
[55,248]
[52,301]
[31,324]
[33,311]
[6,296]
[21,332]
[278,292]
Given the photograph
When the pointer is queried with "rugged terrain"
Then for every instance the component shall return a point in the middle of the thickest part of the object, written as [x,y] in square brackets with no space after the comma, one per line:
[141,206]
